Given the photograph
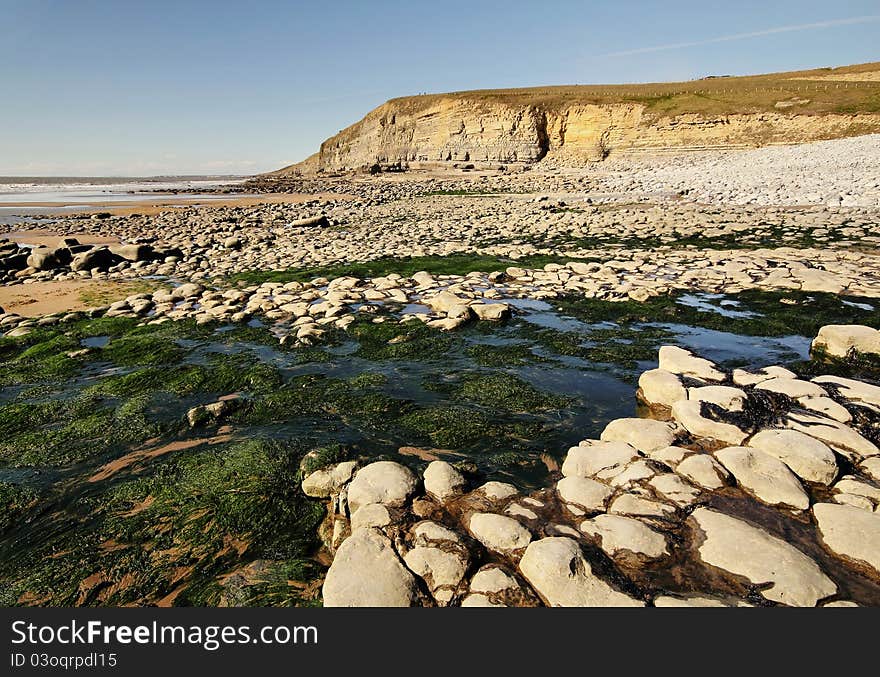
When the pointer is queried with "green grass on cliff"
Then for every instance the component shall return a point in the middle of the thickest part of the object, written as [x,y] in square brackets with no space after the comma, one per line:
[823,90]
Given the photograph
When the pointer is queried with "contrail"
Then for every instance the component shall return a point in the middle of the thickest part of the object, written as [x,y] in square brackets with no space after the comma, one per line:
[753,34]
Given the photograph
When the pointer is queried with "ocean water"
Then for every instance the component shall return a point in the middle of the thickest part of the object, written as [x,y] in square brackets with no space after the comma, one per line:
[22,196]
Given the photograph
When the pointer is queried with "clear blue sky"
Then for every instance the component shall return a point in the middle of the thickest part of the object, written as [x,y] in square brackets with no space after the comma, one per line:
[96,87]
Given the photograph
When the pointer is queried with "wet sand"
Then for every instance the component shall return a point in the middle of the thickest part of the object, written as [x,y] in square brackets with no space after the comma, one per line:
[149,205]
[41,298]
[49,238]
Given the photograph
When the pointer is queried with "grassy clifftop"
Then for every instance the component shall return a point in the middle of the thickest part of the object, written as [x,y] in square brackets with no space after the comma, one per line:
[848,89]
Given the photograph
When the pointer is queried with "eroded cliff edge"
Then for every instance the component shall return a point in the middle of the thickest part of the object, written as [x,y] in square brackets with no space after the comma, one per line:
[575,125]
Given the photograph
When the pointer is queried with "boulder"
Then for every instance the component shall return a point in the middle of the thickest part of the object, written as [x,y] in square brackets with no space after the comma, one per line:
[499,533]
[443,481]
[444,302]
[186,291]
[370,515]
[839,340]
[310,222]
[764,476]
[97,257]
[134,252]
[688,414]
[498,491]
[644,434]
[493,312]
[807,457]
[836,435]
[850,532]
[792,387]
[679,361]
[384,482]
[661,387]
[442,570]
[327,481]
[625,537]
[557,570]
[851,389]
[366,572]
[587,461]
[583,492]
[744,550]
[725,397]
[43,258]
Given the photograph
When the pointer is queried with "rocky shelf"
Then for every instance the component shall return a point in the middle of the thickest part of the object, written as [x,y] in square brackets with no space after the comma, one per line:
[737,488]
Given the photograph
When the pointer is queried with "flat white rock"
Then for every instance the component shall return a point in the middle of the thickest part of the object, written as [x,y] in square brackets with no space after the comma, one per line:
[808,458]
[644,434]
[744,550]
[366,572]
[765,477]
[557,570]
[850,532]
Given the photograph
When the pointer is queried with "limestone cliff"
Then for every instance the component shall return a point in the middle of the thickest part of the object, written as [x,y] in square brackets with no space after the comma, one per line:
[573,125]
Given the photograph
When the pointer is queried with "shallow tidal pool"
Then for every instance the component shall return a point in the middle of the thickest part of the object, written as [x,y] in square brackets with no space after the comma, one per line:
[110,496]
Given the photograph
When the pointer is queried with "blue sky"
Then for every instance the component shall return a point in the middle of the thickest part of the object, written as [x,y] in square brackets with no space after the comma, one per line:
[97,87]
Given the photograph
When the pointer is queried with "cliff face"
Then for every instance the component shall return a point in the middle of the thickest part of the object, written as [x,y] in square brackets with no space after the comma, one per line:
[447,129]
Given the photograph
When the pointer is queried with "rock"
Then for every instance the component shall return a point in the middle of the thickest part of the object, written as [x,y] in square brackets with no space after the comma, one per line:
[807,457]
[850,532]
[679,361]
[744,550]
[670,456]
[498,491]
[43,258]
[631,504]
[851,389]
[644,434]
[325,482]
[97,257]
[499,533]
[366,572]
[871,467]
[725,397]
[234,243]
[133,252]
[555,567]
[384,482]
[583,492]
[492,580]
[672,487]
[849,485]
[765,477]
[442,570]
[428,533]
[836,435]
[839,340]
[370,515]
[587,461]
[622,476]
[745,378]
[310,222]
[792,387]
[479,601]
[827,407]
[666,601]
[493,312]
[687,413]
[185,291]
[623,536]
[658,386]
[444,302]
[443,481]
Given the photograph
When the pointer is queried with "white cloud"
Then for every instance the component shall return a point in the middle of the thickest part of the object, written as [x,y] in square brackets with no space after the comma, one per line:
[753,34]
